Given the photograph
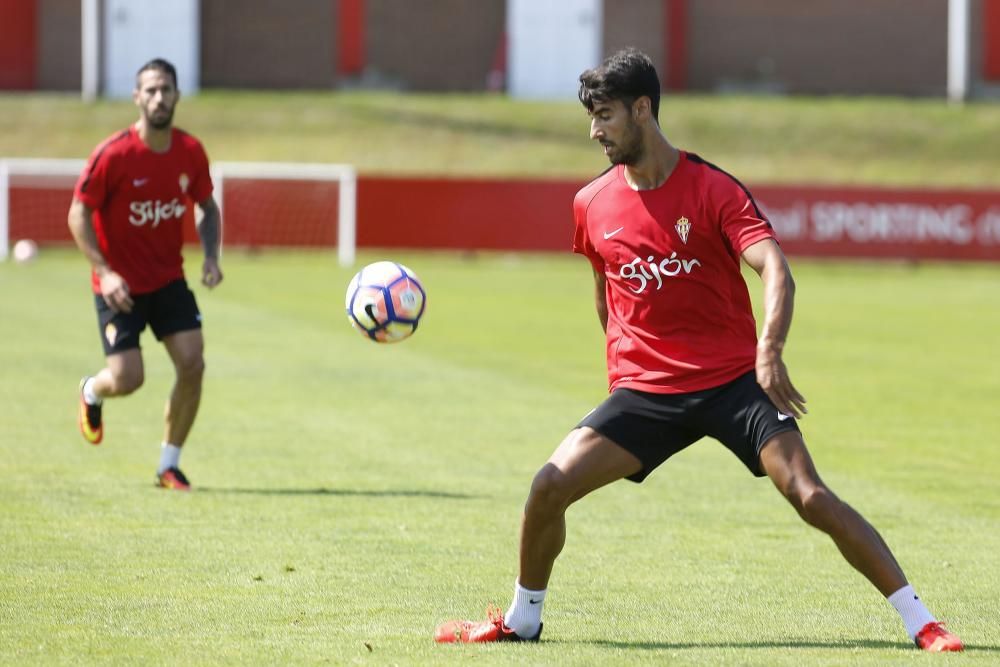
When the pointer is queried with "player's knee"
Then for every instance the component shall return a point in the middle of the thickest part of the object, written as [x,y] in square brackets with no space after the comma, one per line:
[550,492]
[817,505]
[126,380]
[191,369]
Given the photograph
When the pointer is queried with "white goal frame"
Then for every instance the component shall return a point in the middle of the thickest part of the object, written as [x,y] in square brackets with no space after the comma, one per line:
[345,175]
[28,167]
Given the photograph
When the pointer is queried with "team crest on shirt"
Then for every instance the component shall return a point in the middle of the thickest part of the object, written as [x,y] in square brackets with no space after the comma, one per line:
[111,333]
[184,181]
[683,228]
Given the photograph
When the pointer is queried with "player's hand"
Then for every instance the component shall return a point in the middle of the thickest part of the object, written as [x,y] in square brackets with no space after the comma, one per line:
[772,376]
[211,274]
[115,291]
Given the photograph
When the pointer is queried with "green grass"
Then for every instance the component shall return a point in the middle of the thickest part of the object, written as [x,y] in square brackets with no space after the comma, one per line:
[886,141]
[350,496]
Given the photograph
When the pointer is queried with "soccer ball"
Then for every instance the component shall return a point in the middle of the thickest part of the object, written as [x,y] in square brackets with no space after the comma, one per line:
[25,251]
[385,301]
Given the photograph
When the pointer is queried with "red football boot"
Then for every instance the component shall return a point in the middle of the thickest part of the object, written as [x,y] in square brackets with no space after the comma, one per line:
[933,637]
[173,478]
[91,425]
[492,629]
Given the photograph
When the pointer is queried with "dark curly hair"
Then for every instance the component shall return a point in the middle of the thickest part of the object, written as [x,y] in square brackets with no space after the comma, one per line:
[626,76]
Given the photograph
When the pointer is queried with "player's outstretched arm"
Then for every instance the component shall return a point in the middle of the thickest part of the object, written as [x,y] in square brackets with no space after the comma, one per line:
[210,232]
[766,258]
[114,289]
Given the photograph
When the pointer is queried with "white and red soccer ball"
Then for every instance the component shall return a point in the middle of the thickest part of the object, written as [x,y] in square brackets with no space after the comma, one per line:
[385,302]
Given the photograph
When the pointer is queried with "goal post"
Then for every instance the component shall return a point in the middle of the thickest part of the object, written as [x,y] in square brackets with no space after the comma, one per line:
[4,211]
[290,200]
[34,199]
[263,203]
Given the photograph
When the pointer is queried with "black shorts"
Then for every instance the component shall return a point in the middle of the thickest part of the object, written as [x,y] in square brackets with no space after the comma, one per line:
[654,427]
[170,309]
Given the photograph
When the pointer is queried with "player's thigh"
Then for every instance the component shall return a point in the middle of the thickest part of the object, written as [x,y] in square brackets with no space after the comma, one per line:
[740,415]
[119,330]
[649,427]
[586,460]
[786,460]
[173,309]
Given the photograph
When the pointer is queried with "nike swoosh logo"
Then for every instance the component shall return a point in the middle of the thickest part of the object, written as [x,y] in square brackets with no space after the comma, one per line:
[139,182]
[782,416]
[530,601]
[608,235]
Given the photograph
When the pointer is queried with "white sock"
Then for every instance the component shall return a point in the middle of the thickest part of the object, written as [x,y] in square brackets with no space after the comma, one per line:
[170,457]
[913,612]
[88,392]
[525,614]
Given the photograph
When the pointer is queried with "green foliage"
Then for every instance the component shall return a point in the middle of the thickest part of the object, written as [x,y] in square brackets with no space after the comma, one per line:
[888,141]
[350,496]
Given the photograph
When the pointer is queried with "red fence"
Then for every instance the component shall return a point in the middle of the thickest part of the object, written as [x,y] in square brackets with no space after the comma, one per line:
[465,213]
[810,220]
[536,215]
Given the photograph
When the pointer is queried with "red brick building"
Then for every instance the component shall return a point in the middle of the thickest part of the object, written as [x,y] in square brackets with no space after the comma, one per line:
[816,47]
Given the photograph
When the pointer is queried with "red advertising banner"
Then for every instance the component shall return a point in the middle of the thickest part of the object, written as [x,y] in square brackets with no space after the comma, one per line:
[810,220]
[466,213]
[873,222]
[536,215]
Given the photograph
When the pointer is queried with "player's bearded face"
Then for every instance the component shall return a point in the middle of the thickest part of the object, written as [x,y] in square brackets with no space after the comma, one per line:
[156,96]
[628,149]
[618,133]
[160,115]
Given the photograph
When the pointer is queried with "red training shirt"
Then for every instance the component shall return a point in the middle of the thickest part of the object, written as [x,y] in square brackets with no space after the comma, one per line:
[141,200]
[679,314]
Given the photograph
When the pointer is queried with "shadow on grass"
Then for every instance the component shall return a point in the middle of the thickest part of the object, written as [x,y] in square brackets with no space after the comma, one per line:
[793,644]
[388,493]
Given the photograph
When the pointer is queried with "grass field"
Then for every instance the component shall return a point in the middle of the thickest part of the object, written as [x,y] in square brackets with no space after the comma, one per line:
[759,139]
[351,496]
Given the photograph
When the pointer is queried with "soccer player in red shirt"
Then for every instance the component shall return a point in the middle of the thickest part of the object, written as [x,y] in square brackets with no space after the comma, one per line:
[127,217]
[665,232]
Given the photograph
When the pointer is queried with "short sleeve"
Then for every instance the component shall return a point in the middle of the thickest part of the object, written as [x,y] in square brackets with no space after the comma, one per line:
[201,183]
[741,220]
[581,237]
[92,186]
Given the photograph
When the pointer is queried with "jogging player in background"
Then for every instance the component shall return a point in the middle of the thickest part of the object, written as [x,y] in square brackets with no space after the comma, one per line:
[127,216]
[665,232]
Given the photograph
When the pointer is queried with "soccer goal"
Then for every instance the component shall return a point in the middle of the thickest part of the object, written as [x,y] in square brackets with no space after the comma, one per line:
[288,204]
[34,200]
[263,203]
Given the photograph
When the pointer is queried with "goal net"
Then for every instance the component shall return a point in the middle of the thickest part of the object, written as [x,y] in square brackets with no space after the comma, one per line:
[263,204]
[34,200]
